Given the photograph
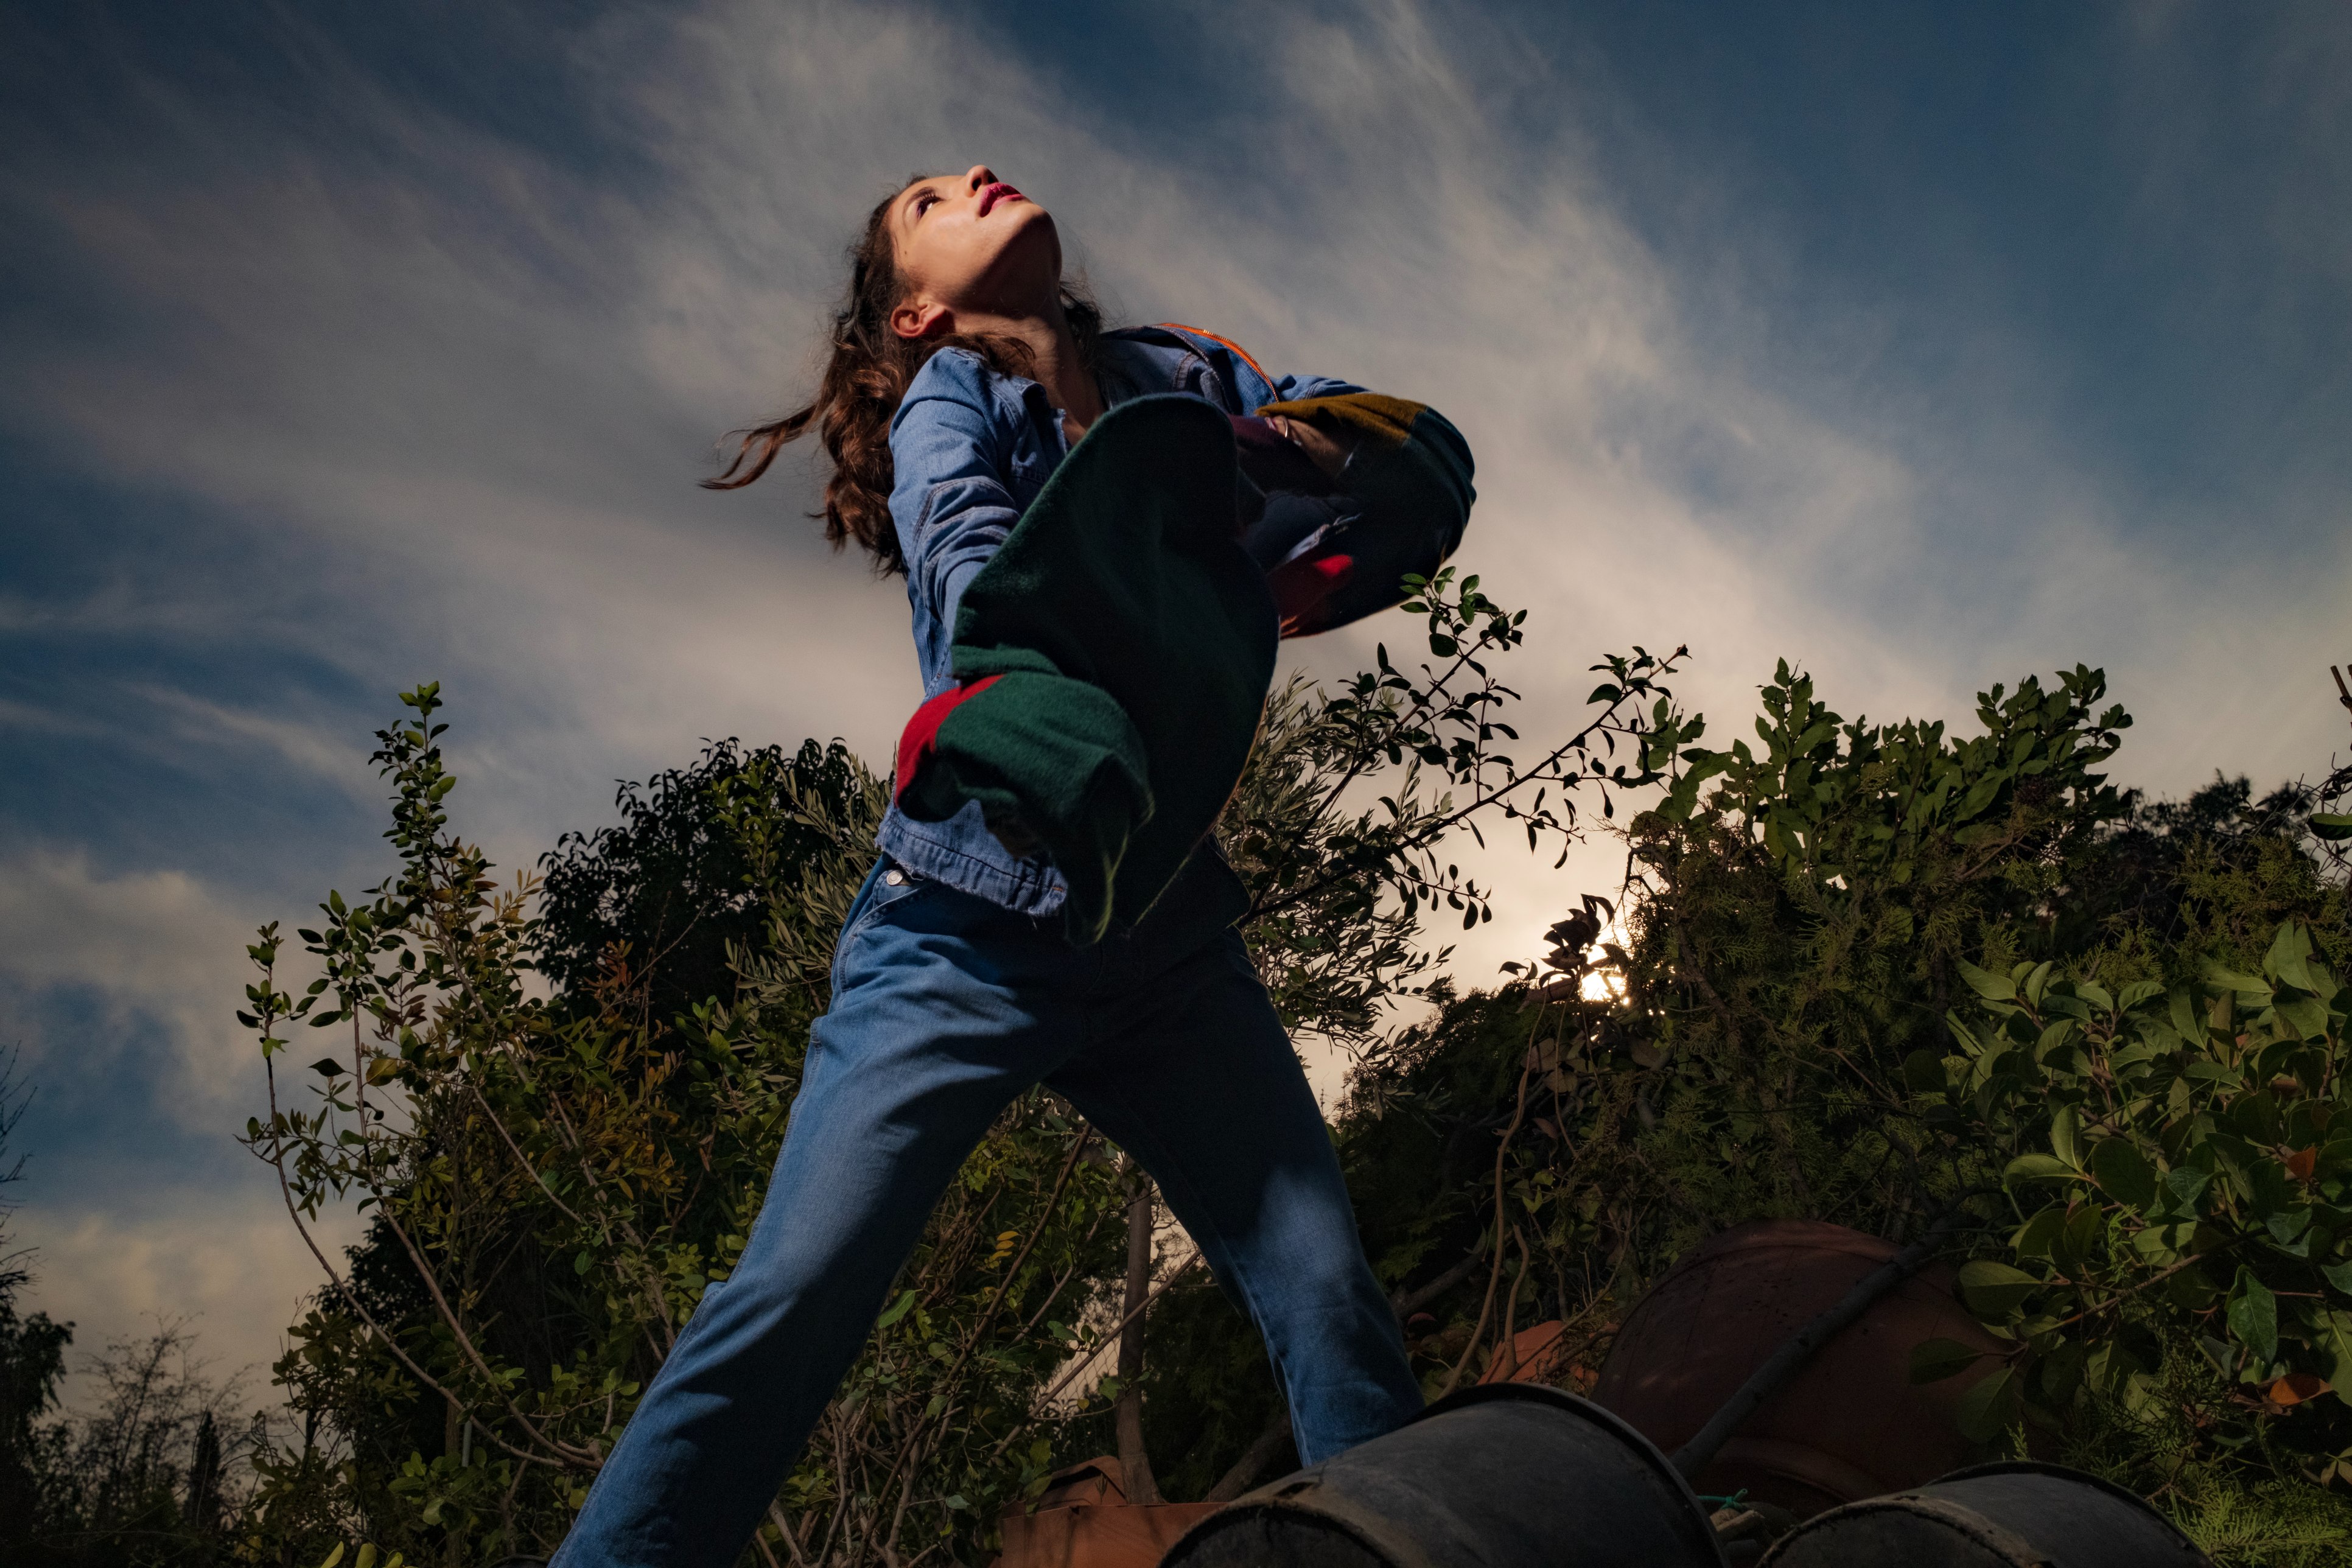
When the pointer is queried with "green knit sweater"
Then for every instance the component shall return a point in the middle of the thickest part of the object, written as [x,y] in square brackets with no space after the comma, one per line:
[1114,656]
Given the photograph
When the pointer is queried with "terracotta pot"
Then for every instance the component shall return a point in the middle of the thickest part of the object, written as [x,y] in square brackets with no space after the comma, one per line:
[1851,1424]
[1540,1356]
[1083,1520]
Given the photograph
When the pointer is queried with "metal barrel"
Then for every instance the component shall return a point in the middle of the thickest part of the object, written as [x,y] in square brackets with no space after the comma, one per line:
[2015,1515]
[1501,1476]
[1852,1423]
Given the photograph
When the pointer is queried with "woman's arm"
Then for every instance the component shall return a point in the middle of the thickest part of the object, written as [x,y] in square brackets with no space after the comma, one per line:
[949,499]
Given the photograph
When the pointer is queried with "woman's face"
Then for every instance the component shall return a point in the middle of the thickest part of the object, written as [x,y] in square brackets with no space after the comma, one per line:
[971,245]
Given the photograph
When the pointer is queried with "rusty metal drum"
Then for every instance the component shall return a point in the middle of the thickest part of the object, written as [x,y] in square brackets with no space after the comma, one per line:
[1504,1474]
[1852,1423]
[2019,1515]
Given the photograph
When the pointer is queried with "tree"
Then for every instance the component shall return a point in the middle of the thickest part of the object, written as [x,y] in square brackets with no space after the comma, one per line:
[141,1476]
[32,1356]
[552,1180]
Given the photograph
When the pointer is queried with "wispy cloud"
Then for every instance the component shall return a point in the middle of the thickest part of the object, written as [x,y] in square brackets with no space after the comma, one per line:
[121,991]
[32,718]
[224,1261]
[152,945]
[328,752]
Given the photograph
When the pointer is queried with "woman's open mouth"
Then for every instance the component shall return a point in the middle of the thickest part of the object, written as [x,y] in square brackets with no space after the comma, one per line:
[1000,192]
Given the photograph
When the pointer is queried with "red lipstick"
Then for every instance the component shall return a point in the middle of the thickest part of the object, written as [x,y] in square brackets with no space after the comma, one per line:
[1000,192]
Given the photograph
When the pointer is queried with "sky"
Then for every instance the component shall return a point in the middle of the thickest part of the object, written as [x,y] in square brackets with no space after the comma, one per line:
[348,346]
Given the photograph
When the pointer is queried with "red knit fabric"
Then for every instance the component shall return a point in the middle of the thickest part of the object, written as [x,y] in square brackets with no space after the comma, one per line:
[1301,587]
[921,736]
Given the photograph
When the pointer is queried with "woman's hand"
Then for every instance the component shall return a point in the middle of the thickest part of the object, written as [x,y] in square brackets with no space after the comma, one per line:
[1326,452]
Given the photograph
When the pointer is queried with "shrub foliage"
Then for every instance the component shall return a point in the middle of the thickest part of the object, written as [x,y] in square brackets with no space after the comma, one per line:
[1873,973]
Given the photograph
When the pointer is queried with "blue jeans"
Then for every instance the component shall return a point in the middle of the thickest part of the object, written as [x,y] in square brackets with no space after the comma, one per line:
[946,1007]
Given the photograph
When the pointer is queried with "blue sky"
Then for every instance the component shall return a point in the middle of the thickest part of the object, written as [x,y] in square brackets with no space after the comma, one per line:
[343,347]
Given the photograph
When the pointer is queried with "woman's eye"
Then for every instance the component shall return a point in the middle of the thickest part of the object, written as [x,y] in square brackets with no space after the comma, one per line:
[923,204]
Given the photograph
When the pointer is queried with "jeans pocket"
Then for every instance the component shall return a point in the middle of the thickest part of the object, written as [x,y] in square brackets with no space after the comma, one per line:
[888,886]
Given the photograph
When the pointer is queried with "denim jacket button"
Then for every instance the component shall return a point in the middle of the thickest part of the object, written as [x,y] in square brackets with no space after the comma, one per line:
[894,877]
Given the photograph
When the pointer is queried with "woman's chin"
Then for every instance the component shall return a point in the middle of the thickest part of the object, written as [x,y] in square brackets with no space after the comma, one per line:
[1027,254]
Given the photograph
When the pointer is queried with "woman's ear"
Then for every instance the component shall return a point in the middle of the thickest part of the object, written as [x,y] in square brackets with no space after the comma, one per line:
[926,321]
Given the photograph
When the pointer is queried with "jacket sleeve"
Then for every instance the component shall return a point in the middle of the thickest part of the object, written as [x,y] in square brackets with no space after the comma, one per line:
[1296,388]
[948,499]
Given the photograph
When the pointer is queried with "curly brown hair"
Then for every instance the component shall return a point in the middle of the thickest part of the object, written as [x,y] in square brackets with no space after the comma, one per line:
[866,376]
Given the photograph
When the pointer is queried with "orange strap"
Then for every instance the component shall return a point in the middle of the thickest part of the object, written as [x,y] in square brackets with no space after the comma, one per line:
[1244,354]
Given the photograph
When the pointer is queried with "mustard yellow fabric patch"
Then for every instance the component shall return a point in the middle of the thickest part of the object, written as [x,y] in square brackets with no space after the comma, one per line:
[1386,422]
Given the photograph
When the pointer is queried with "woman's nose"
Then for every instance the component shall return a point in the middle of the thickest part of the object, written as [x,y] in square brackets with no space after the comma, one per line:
[979,175]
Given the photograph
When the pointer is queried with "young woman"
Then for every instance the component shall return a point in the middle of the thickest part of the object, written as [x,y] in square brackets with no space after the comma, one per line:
[963,370]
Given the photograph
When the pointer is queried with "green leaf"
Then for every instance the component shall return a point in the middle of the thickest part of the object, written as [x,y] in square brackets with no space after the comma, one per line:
[1995,1290]
[2308,1014]
[2064,1139]
[2329,825]
[1936,1360]
[2289,957]
[2339,1277]
[2230,980]
[2253,1317]
[328,1067]
[2123,1172]
[2038,1236]
[2336,1343]
[898,1310]
[1992,987]
[2038,1168]
[1989,1408]
[1924,1072]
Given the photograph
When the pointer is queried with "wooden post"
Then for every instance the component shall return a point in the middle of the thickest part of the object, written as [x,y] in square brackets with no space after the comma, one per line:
[1132,1460]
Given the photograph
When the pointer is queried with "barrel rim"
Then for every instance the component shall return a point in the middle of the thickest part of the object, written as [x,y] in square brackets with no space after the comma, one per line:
[1277,1496]
[1231,1517]
[1943,1512]
[1957,1513]
[2066,1473]
[1577,1404]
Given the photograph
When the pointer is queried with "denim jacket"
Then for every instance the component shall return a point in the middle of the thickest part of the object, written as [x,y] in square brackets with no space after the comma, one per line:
[971,448]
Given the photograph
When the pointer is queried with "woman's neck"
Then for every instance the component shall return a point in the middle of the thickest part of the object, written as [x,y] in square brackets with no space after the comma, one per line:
[1055,362]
